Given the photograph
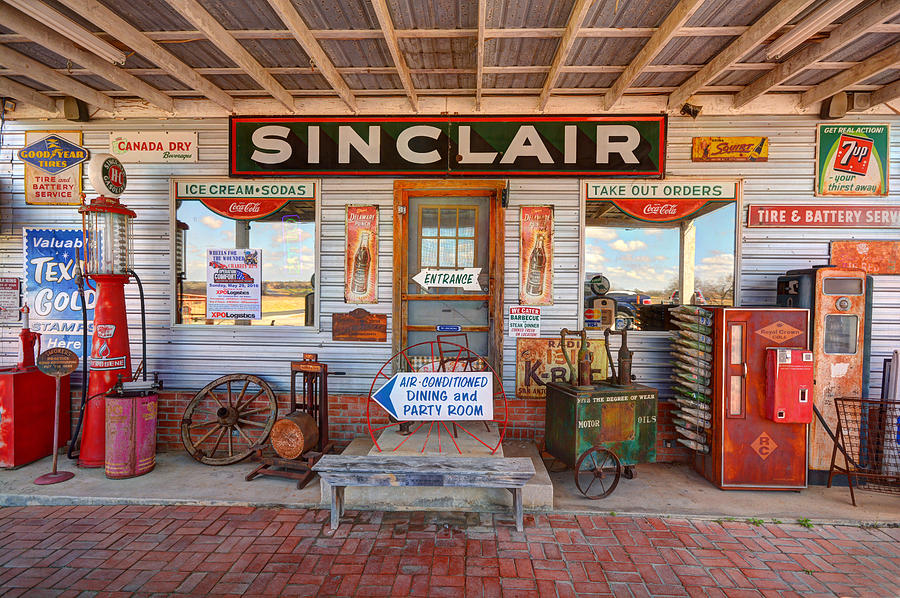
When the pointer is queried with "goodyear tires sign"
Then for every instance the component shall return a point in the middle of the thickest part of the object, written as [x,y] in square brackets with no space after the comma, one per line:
[626,146]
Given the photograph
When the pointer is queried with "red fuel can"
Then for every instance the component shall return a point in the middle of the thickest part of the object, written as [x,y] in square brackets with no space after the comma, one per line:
[789,385]
[130,435]
[27,398]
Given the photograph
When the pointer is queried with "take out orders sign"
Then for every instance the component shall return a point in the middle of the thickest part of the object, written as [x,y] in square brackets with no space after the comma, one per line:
[662,201]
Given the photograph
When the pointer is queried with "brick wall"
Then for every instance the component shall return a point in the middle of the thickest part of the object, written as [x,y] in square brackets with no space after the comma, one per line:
[347,420]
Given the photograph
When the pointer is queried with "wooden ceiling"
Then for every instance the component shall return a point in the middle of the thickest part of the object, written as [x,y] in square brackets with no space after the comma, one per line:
[197,58]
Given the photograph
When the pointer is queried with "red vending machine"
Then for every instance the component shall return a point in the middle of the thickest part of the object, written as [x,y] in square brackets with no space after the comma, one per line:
[747,449]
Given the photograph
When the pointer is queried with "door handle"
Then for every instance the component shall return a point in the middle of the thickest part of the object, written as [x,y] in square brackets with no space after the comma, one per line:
[744,367]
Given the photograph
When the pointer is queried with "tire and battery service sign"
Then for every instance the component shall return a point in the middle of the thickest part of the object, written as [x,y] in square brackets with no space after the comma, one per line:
[852,160]
[50,291]
[233,284]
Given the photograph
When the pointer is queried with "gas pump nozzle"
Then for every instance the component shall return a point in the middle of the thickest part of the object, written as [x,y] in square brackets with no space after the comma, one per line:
[624,357]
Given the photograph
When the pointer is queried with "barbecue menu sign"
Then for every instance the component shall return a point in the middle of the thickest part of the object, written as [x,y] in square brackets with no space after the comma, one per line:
[614,146]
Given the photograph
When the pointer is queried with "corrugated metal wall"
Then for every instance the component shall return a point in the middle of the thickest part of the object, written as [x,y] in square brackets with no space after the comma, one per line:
[188,357]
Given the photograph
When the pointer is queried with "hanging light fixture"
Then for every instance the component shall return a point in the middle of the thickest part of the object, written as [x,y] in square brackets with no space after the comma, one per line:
[70,29]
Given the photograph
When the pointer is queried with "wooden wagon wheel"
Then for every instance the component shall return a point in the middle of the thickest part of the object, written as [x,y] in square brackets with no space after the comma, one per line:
[228,418]
[597,472]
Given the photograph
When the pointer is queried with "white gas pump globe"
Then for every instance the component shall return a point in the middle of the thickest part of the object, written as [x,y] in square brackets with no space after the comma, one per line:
[107,223]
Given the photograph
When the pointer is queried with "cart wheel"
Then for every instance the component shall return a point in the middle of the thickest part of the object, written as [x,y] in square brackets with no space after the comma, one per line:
[597,472]
[628,472]
[228,418]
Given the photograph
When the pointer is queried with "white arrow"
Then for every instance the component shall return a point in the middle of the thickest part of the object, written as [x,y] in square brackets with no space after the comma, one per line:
[467,278]
[423,396]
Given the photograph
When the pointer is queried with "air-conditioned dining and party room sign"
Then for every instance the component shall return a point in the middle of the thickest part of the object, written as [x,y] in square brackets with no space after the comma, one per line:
[631,146]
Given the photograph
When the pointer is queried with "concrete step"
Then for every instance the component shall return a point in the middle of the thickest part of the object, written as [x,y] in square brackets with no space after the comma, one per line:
[536,495]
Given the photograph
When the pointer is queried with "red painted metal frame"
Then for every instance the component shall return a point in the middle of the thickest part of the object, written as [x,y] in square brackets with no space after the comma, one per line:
[460,351]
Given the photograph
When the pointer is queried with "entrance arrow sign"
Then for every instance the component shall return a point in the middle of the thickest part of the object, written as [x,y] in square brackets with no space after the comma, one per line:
[424,396]
[467,278]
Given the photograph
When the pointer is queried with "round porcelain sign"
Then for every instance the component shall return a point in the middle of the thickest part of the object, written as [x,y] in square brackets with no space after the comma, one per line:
[107,175]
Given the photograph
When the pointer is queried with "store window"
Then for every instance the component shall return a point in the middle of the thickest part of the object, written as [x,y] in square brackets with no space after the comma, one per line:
[636,268]
[260,271]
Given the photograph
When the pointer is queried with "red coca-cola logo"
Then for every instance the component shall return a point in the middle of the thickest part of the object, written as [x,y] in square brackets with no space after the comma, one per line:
[661,209]
[244,207]
[247,209]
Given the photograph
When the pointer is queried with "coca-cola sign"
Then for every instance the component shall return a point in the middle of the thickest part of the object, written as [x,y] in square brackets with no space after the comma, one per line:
[668,200]
[654,210]
[244,209]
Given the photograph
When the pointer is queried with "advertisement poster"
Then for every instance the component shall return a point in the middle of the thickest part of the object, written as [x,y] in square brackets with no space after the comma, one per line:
[361,259]
[153,146]
[665,201]
[540,360]
[730,149]
[852,160]
[875,257]
[53,167]
[233,284]
[524,321]
[536,255]
[9,300]
[827,216]
[50,291]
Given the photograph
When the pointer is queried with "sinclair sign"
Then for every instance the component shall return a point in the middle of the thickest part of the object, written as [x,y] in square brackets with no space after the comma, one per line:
[608,146]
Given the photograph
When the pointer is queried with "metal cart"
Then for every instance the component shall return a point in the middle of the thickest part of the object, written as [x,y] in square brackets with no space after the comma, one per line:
[602,430]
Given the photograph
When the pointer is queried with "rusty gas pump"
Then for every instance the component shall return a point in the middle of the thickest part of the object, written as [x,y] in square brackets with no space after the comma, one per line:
[625,356]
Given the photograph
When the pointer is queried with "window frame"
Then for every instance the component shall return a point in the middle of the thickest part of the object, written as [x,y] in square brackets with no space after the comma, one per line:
[233,328]
[737,206]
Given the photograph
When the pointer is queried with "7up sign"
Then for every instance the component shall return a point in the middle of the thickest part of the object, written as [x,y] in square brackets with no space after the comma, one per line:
[852,160]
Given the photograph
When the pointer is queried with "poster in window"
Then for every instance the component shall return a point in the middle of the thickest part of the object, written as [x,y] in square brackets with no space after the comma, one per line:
[852,160]
[233,284]
[361,260]
[536,255]
[53,162]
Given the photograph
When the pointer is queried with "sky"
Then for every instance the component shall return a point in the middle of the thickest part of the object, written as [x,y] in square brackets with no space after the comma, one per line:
[288,247]
[647,259]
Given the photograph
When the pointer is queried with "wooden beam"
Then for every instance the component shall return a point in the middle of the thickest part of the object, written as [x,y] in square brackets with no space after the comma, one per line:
[764,26]
[288,14]
[886,94]
[887,58]
[677,17]
[53,41]
[27,95]
[390,37]
[852,29]
[143,45]
[23,65]
[479,53]
[213,30]
[576,17]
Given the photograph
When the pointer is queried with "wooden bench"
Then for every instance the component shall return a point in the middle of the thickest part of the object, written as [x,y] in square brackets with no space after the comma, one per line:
[341,471]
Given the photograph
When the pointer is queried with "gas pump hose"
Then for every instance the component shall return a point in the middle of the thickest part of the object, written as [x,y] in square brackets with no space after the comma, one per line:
[84,369]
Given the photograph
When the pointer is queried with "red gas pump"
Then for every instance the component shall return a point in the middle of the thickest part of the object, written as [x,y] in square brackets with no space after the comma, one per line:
[107,230]
[28,339]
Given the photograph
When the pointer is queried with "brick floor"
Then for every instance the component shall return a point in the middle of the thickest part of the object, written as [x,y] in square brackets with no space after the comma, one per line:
[222,551]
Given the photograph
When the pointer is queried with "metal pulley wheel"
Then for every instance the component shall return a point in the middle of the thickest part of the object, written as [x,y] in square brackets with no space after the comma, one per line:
[597,472]
[228,418]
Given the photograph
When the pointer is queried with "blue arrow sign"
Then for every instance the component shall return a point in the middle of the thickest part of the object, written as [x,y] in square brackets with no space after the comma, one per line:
[424,396]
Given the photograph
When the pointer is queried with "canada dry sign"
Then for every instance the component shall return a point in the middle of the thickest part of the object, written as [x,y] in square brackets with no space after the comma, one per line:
[418,396]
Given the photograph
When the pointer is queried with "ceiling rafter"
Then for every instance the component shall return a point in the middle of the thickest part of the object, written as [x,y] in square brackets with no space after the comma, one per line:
[141,43]
[289,16]
[216,33]
[887,58]
[673,22]
[28,67]
[774,19]
[390,37]
[23,93]
[576,18]
[855,27]
[56,43]
[885,94]
[479,53]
